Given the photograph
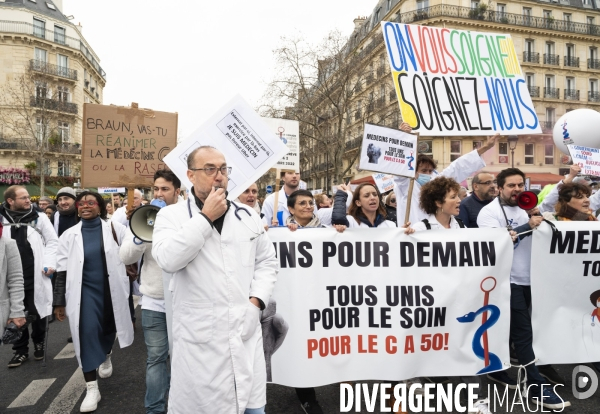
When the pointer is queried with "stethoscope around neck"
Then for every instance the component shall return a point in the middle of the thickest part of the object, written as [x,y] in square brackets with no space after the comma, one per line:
[258,232]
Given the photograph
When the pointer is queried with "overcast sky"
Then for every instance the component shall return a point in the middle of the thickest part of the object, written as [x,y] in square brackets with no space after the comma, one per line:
[192,56]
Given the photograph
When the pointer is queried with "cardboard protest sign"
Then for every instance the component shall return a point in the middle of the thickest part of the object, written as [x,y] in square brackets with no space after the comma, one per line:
[124,146]
[458,82]
[388,150]
[289,133]
[330,320]
[249,146]
[587,158]
[384,182]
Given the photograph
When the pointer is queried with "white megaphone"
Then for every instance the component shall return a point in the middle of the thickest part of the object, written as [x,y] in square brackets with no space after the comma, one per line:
[142,221]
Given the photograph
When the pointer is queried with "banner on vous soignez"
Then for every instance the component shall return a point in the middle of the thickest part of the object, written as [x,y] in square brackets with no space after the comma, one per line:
[458,82]
[381,305]
[565,292]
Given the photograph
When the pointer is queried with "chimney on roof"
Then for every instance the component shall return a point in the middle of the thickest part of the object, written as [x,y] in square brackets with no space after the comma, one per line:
[58,4]
[358,22]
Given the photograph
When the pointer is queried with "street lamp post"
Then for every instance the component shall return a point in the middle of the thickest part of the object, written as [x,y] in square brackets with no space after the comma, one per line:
[512,144]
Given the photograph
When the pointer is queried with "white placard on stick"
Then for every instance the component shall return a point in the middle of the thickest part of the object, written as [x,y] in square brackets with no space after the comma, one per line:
[289,133]
[385,182]
[587,158]
[247,142]
[388,150]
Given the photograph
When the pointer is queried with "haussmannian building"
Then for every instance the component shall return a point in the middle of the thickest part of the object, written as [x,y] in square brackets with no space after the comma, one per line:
[557,44]
[37,39]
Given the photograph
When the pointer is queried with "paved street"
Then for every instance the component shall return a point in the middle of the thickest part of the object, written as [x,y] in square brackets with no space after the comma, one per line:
[60,388]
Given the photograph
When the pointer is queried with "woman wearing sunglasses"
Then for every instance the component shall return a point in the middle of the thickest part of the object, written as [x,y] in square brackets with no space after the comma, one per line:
[391,206]
[91,283]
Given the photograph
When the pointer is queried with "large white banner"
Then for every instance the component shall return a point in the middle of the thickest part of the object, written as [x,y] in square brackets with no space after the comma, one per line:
[388,150]
[249,146]
[379,305]
[288,132]
[565,289]
[458,82]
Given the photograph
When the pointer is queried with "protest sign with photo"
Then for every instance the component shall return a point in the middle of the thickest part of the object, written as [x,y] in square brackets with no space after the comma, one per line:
[289,133]
[388,150]
[566,293]
[250,147]
[124,146]
[381,305]
[587,158]
[458,82]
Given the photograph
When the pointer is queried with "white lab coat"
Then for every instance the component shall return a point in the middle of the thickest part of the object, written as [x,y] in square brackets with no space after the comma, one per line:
[459,170]
[213,369]
[70,259]
[44,255]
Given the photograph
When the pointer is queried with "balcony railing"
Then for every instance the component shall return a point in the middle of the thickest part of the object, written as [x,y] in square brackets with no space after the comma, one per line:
[446,10]
[44,67]
[353,143]
[593,63]
[34,145]
[571,94]
[534,91]
[7,26]
[53,105]
[571,61]
[548,125]
[531,57]
[552,93]
[594,96]
[550,59]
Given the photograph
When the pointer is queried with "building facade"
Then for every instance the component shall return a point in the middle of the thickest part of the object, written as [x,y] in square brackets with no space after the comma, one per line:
[557,45]
[47,72]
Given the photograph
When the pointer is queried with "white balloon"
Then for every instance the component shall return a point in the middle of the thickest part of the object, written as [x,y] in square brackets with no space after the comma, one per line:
[581,126]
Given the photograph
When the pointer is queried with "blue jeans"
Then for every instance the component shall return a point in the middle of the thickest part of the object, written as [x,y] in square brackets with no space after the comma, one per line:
[260,410]
[158,377]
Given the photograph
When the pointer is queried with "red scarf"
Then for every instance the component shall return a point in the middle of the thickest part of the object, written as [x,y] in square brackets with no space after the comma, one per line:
[596,313]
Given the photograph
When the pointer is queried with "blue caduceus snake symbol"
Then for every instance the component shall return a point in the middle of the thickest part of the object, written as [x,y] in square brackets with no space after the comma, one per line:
[410,160]
[492,362]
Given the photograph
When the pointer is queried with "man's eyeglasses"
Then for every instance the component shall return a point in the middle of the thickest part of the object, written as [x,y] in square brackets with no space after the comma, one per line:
[211,171]
[23,198]
[304,203]
[488,182]
[89,203]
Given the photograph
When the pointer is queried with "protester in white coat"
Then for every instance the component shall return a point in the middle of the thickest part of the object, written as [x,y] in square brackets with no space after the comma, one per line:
[92,284]
[224,270]
[12,293]
[278,216]
[37,244]
[367,209]
[459,170]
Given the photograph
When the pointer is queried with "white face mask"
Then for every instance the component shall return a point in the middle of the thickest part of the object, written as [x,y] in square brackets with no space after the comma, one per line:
[423,179]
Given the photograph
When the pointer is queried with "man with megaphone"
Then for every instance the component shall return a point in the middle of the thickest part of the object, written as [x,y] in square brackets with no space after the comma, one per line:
[137,245]
[224,270]
[506,212]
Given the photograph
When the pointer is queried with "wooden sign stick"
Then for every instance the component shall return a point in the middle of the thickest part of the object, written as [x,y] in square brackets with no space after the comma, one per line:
[130,193]
[410,187]
[274,221]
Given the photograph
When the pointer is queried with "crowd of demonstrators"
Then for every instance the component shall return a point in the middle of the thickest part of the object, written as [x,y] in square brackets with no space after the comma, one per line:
[484,191]
[222,268]
[460,169]
[36,242]
[154,321]
[88,254]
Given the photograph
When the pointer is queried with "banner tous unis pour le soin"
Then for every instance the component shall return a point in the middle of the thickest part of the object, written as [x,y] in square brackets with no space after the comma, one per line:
[383,305]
